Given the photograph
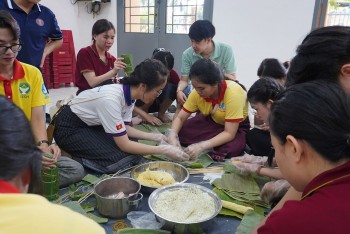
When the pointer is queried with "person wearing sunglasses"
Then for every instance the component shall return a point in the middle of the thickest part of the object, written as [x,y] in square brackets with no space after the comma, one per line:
[22,84]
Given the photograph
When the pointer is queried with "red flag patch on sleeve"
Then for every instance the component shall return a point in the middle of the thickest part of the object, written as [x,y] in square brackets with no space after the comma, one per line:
[119,126]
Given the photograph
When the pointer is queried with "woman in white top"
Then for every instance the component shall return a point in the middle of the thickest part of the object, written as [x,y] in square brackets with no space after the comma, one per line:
[96,126]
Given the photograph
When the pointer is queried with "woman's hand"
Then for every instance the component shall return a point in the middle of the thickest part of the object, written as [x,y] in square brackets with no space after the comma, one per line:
[174,153]
[246,168]
[260,160]
[152,120]
[197,149]
[173,138]
[273,190]
[54,150]
[181,97]
[119,65]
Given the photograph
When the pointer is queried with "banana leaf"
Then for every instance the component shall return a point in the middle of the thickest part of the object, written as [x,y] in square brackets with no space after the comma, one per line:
[250,220]
[75,206]
[96,218]
[153,128]
[225,211]
[238,183]
[91,179]
[260,180]
[148,142]
[203,161]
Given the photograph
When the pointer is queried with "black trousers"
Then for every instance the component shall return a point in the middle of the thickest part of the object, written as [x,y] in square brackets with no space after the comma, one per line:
[96,149]
[259,141]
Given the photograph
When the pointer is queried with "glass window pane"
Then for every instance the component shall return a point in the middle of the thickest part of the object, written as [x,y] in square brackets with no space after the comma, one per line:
[182,29]
[151,3]
[169,29]
[169,15]
[199,15]
[127,27]
[127,15]
[127,3]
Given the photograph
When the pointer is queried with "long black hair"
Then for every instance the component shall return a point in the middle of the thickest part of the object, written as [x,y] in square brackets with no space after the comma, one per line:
[321,55]
[151,72]
[17,145]
[317,112]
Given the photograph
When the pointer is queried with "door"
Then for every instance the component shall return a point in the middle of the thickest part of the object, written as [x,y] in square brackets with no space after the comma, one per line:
[144,25]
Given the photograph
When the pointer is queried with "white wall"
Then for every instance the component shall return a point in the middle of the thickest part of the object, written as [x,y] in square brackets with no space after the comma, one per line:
[255,29]
[75,18]
[259,29]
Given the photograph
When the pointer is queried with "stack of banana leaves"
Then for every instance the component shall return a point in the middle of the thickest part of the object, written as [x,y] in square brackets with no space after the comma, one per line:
[242,191]
[203,161]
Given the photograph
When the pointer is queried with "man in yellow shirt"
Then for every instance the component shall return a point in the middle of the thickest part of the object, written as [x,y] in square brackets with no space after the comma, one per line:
[23,85]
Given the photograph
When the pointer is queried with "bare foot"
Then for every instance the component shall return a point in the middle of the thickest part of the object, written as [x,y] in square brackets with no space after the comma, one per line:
[164,118]
[136,120]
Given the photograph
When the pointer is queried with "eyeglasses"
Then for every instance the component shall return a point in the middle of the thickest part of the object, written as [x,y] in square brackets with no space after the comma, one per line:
[15,48]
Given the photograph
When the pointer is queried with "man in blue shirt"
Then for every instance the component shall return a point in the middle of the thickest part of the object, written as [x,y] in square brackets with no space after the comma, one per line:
[40,33]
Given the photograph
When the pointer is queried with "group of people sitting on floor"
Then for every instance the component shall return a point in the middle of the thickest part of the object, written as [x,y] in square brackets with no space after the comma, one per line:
[304,118]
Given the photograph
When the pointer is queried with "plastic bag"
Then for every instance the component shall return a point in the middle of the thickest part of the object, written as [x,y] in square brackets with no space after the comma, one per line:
[146,220]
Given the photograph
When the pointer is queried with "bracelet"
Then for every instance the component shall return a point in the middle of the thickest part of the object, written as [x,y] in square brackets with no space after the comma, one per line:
[258,170]
[43,141]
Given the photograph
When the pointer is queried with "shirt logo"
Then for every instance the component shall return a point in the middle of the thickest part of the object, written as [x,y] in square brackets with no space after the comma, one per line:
[24,88]
[119,126]
[39,22]
[222,106]
[44,90]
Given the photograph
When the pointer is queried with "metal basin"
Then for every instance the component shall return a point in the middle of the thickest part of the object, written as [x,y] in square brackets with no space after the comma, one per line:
[179,172]
[106,191]
[170,224]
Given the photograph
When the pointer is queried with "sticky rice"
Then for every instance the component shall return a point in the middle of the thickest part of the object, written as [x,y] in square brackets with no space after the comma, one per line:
[155,178]
[188,205]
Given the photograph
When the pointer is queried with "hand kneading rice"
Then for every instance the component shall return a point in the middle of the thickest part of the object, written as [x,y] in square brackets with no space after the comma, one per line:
[188,205]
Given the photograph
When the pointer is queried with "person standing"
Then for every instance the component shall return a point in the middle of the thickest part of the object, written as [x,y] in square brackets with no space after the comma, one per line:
[201,34]
[40,33]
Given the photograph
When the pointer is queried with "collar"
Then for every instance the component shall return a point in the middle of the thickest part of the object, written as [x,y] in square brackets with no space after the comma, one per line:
[127,94]
[94,49]
[326,178]
[9,3]
[6,187]
[18,71]
[221,94]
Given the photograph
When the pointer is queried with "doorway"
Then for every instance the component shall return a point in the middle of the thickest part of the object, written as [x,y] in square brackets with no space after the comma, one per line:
[144,25]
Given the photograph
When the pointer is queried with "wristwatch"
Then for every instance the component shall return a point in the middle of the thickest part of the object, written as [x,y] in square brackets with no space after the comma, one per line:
[43,141]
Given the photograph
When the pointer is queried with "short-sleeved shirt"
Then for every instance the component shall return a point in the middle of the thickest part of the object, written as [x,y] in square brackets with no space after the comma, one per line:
[37,27]
[89,60]
[231,106]
[222,55]
[324,208]
[26,89]
[173,77]
[109,105]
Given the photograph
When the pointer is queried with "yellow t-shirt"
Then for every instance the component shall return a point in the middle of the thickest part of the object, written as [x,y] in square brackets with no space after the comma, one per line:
[232,105]
[29,213]
[26,89]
